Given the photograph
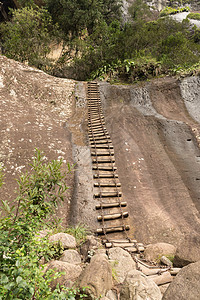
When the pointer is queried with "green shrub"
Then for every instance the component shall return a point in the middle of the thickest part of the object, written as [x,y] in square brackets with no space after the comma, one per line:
[21,276]
[193,16]
[172,11]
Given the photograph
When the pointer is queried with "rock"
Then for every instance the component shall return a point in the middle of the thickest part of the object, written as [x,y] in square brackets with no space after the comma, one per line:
[91,245]
[72,272]
[187,251]
[42,233]
[67,240]
[71,256]
[122,263]
[163,288]
[137,286]
[111,295]
[185,285]
[97,276]
[164,260]
[154,252]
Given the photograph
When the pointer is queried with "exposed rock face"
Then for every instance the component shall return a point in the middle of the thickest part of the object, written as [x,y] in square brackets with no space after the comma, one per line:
[188,251]
[67,240]
[154,252]
[186,285]
[33,114]
[137,286]
[71,256]
[97,276]
[91,244]
[122,263]
[72,272]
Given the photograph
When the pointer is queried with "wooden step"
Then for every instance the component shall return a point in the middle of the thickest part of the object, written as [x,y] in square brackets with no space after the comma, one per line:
[99,142]
[119,241]
[103,161]
[112,229]
[102,147]
[102,153]
[112,216]
[98,134]
[121,245]
[96,128]
[98,184]
[106,168]
[134,249]
[107,194]
[99,138]
[110,205]
[105,176]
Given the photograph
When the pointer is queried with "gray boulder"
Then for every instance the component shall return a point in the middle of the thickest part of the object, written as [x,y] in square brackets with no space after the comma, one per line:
[71,256]
[67,240]
[121,262]
[186,285]
[97,276]
[154,252]
[188,251]
[72,272]
[137,286]
[90,246]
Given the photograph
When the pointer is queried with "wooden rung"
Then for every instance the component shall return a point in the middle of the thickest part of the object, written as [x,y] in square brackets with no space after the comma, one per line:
[110,205]
[97,184]
[119,241]
[96,119]
[101,142]
[102,147]
[134,249]
[105,176]
[106,168]
[112,229]
[99,138]
[97,129]
[102,153]
[113,216]
[98,134]
[121,245]
[103,161]
[108,194]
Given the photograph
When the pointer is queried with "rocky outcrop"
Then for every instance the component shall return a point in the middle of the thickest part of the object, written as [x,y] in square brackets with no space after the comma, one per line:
[137,286]
[154,252]
[71,273]
[122,263]
[186,285]
[188,251]
[66,239]
[89,247]
[71,256]
[97,276]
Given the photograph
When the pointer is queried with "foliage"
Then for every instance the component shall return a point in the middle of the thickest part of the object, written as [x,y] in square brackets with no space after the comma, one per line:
[74,16]
[21,277]
[139,10]
[172,11]
[26,37]
[79,232]
[193,16]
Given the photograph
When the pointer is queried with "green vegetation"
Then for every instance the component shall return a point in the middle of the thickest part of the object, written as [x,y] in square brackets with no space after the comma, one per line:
[97,43]
[193,16]
[79,232]
[172,11]
[39,192]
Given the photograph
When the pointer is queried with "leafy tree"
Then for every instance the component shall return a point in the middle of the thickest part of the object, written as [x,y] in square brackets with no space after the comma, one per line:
[26,37]
[73,16]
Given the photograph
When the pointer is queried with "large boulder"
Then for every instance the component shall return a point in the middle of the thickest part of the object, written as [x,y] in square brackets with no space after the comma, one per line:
[137,286]
[71,256]
[186,285]
[188,251]
[97,276]
[154,252]
[67,240]
[71,271]
[121,262]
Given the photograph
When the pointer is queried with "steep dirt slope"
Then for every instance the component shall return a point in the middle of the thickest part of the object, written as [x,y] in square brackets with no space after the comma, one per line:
[155,138]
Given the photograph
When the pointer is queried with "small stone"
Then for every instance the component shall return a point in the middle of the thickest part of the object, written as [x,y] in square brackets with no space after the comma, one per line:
[67,240]
[154,252]
[166,261]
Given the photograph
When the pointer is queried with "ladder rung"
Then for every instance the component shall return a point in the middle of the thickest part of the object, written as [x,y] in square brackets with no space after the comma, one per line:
[97,184]
[99,142]
[109,205]
[105,175]
[107,194]
[102,153]
[113,216]
[106,168]
[103,161]
[112,229]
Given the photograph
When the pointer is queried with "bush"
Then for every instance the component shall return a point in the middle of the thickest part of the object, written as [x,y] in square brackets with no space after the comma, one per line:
[172,11]
[21,277]
[26,37]
[194,16]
